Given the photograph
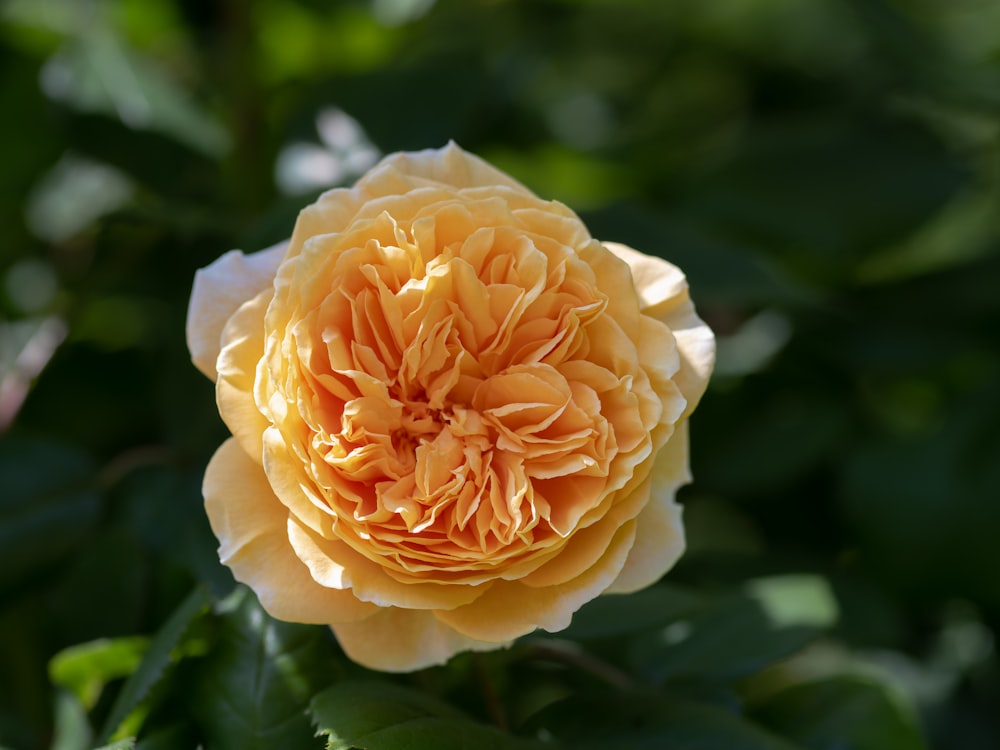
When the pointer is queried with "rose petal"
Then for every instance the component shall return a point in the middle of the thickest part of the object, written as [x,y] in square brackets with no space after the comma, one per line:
[333,563]
[249,522]
[402,640]
[450,165]
[663,294]
[510,609]
[659,539]
[219,289]
[583,550]
[243,346]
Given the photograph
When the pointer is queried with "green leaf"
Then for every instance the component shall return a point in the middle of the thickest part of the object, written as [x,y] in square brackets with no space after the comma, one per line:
[86,668]
[72,730]
[648,721]
[126,744]
[732,639]
[168,738]
[254,687]
[157,659]
[841,712]
[99,72]
[350,711]
[384,716]
[615,615]
[791,600]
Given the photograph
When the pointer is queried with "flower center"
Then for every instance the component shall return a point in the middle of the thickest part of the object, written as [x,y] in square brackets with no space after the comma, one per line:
[470,396]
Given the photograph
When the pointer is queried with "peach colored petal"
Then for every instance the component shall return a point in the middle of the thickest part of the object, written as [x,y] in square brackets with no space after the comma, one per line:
[333,563]
[402,640]
[219,289]
[663,292]
[581,552]
[615,279]
[250,525]
[242,347]
[449,165]
[510,609]
[659,540]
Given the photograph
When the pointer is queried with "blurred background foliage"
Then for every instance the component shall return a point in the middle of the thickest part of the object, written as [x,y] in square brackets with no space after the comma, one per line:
[825,171]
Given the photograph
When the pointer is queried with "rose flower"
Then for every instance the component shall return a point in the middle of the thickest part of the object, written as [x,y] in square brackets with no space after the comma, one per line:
[456,417]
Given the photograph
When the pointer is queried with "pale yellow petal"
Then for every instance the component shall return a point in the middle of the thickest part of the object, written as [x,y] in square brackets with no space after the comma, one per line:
[219,289]
[403,640]
[659,539]
[510,609]
[657,282]
[250,524]
[242,348]
[450,165]
[663,294]
[696,344]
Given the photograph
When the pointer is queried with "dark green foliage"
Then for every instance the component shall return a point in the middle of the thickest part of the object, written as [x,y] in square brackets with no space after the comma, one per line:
[255,684]
[383,716]
[643,721]
[841,712]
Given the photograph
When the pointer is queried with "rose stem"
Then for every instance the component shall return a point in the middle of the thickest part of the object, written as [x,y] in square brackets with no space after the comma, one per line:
[567,654]
[490,696]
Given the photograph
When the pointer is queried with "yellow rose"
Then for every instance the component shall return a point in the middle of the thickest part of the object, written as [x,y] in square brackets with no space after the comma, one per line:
[456,417]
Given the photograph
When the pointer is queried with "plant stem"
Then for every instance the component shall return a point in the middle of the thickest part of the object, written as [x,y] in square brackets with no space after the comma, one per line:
[569,654]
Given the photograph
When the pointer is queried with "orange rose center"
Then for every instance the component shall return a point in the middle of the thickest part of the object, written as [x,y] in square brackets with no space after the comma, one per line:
[464,392]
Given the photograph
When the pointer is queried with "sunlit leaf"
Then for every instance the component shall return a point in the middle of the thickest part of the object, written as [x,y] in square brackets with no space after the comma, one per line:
[790,600]
[72,729]
[86,668]
[126,744]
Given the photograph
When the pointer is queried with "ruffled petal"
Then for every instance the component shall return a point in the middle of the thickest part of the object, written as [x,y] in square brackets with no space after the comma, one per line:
[219,290]
[404,640]
[510,609]
[249,522]
[333,563]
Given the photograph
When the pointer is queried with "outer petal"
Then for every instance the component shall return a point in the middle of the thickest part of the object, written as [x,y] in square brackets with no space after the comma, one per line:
[403,640]
[250,524]
[663,294]
[242,349]
[659,539]
[219,289]
[510,609]
[450,165]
